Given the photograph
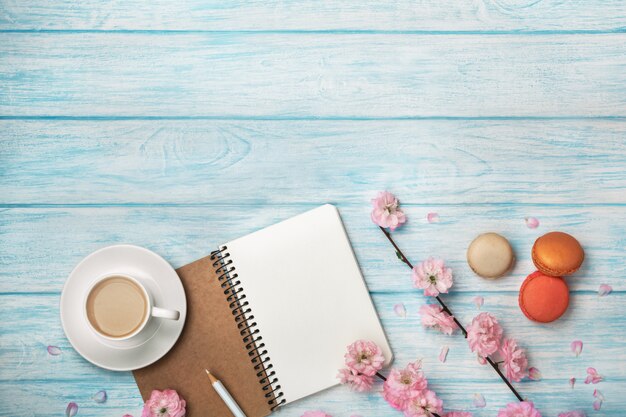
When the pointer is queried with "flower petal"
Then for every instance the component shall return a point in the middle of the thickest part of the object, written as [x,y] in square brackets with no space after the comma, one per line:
[534,373]
[400,310]
[444,353]
[54,350]
[479,301]
[479,401]
[605,289]
[100,396]
[577,347]
[532,222]
[597,394]
[597,404]
[71,410]
[572,382]
[432,218]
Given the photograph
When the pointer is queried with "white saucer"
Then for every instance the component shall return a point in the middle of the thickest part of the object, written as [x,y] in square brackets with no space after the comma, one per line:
[159,335]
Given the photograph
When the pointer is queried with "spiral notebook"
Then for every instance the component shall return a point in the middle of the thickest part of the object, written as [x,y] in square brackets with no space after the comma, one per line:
[270,314]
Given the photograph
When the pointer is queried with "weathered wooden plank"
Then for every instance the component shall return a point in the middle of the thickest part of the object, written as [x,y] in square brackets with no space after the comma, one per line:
[311,75]
[26,363]
[40,246]
[277,162]
[424,15]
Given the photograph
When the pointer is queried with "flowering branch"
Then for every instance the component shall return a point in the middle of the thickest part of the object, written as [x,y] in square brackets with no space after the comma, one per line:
[447,310]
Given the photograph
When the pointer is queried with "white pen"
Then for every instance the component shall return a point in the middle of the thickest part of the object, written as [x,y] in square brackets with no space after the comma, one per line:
[222,392]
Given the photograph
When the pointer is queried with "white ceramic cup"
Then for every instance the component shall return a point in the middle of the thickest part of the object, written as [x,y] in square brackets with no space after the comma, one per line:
[151,309]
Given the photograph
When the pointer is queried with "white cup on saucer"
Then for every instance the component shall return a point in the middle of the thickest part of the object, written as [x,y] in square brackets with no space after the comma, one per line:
[118,307]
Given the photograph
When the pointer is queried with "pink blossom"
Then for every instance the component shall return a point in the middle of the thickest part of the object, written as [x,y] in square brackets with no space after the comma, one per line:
[592,376]
[403,385]
[165,403]
[521,409]
[576,413]
[432,276]
[434,316]
[354,380]
[484,334]
[458,414]
[315,414]
[424,405]
[364,357]
[515,363]
[385,211]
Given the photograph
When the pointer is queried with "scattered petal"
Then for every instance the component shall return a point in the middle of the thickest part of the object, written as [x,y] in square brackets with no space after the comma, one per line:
[100,397]
[592,376]
[71,410]
[400,310]
[605,289]
[597,404]
[534,373]
[532,222]
[479,301]
[576,413]
[577,347]
[432,218]
[479,401]
[572,382]
[444,353]
[127,415]
[54,350]
[597,394]
[481,360]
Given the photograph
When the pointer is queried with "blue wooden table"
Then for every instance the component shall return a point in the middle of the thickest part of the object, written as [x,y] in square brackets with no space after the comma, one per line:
[180,125]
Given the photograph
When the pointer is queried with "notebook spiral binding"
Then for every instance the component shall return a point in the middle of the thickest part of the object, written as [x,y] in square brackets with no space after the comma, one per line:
[234,292]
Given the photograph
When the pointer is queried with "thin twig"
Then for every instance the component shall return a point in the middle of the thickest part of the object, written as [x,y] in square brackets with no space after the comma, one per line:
[447,310]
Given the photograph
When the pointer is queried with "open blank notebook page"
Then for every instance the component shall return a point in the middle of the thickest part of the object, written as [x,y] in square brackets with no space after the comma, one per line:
[308,298]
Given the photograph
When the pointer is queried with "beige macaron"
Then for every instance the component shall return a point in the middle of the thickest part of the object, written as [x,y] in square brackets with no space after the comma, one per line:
[490,255]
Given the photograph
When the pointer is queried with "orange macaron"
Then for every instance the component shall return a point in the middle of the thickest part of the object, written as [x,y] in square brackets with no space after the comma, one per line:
[543,298]
[557,254]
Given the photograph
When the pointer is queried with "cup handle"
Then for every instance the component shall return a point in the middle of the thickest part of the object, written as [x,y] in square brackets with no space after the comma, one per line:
[165,313]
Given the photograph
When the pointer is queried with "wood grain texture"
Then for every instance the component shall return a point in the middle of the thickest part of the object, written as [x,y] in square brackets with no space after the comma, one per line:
[56,239]
[386,15]
[201,161]
[311,75]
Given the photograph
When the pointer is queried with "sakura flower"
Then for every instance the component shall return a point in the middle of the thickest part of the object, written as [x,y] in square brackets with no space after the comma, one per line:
[354,380]
[605,289]
[54,350]
[521,409]
[479,401]
[458,414]
[577,347]
[71,410]
[515,363]
[534,374]
[443,354]
[432,276]
[576,413]
[432,218]
[100,396]
[403,385]
[592,376]
[434,316]
[484,334]
[532,222]
[424,405]
[364,357]
[315,414]
[385,211]
[400,310]
[166,403]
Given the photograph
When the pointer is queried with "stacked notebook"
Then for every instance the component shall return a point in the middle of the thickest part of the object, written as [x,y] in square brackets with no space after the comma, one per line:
[270,314]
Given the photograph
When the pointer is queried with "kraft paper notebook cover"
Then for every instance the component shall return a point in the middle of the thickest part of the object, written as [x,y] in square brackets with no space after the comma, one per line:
[271,315]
